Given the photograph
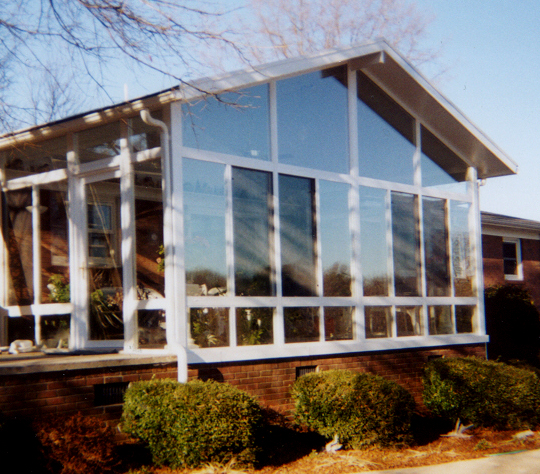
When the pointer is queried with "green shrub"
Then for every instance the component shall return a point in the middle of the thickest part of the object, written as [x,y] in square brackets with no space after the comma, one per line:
[194,423]
[513,324]
[362,409]
[485,393]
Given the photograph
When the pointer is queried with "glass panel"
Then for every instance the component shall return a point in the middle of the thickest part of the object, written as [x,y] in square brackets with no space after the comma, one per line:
[151,326]
[204,227]
[105,272]
[510,258]
[36,158]
[55,331]
[19,247]
[143,136]
[436,247]
[254,326]
[21,328]
[440,320]
[235,123]
[405,245]
[409,321]
[301,324]
[465,319]
[378,321]
[335,238]
[338,323]
[462,260]
[373,243]
[209,327]
[99,142]
[386,132]
[252,200]
[298,233]
[312,120]
[441,167]
[150,265]
[54,247]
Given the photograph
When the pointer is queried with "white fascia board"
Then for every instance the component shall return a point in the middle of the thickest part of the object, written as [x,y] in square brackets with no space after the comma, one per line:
[510,232]
[448,107]
[275,70]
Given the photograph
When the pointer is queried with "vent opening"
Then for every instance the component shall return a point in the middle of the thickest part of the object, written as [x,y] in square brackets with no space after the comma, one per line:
[109,393]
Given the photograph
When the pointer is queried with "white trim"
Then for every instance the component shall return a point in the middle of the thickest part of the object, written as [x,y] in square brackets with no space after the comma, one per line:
[518,276]
[510,233]
[338,348]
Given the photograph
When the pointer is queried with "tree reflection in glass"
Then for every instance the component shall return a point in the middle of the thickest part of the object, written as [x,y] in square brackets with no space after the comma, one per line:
[335,238]
[252,196]
[436,247]
[373,242]
[298,234]
[462,261]
[204,228]
[405,245]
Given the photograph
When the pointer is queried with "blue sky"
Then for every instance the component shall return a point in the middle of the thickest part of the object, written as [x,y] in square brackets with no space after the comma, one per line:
[492,50]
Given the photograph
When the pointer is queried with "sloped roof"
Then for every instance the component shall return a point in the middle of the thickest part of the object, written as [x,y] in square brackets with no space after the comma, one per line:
[377,60]
[499,220]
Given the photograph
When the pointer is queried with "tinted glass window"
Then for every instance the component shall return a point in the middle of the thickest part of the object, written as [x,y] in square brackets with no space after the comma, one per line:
[312,120]
[235,123]
[386,142]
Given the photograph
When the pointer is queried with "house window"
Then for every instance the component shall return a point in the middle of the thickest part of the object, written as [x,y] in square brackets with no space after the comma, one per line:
[512,259]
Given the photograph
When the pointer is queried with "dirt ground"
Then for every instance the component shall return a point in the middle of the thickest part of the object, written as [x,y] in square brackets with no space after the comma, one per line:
[304,453]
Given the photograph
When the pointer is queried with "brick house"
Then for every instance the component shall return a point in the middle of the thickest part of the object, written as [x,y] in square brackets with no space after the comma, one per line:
[511,252]
[316,213]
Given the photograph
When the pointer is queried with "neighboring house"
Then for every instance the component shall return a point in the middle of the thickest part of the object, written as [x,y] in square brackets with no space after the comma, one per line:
[320,212]
[511,252]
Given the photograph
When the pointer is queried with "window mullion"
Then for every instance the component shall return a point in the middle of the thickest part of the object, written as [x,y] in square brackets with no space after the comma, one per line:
[229,231]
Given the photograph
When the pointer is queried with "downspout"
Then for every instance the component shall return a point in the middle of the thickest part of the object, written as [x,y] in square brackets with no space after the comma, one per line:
[168,244]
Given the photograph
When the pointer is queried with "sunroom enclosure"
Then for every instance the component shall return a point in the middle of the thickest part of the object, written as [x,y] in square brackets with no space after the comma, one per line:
[309,214]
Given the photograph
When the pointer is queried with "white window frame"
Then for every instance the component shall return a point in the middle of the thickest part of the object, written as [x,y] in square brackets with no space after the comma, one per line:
[518,276]
[359,343]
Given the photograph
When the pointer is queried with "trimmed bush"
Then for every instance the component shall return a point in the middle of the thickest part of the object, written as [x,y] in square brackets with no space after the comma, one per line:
[194,423]
[362,409]
[485,393]
[513,324]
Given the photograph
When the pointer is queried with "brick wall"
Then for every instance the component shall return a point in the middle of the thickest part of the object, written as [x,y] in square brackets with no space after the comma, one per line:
[50,393]
[65,392]
[494,270]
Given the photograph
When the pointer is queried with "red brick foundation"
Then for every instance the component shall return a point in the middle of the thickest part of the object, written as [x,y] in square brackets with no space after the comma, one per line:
[40,391]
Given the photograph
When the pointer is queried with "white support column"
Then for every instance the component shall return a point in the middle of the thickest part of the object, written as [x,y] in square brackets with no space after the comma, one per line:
[78,251]
[475,228]
[279,319]
[36,258]
[128,253]
[175,278]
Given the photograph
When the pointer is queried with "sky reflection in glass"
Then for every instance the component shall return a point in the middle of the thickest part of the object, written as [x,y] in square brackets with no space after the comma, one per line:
[312,120]
[335,238]
[204,227]
[235,123]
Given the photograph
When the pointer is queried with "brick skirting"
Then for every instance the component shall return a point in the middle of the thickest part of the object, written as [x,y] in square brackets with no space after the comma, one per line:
[82,384]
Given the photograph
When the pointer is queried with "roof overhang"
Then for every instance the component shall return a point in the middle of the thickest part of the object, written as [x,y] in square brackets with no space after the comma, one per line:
[377,60]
